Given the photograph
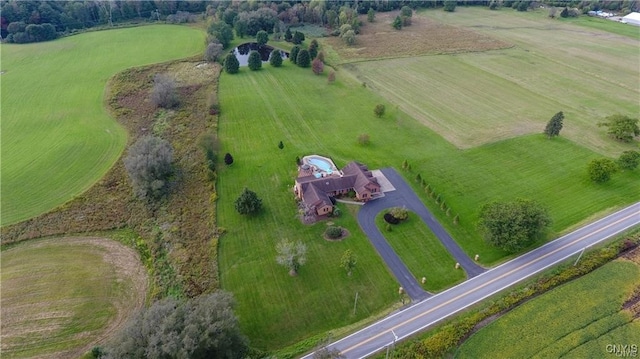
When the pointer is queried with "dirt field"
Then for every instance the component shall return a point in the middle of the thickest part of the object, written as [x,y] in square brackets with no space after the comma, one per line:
[424,36]
[62,296]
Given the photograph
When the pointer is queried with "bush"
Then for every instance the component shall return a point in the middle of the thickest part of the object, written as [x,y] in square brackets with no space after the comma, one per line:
[379,110]
[228,159]
[629,160]
[212,52]
[149,166]
[600,170]
[255,61]
[364,139]
[389,218]
[276,58]
[333,232]
[399,213]
[450,5]
[164,92]
[332,77]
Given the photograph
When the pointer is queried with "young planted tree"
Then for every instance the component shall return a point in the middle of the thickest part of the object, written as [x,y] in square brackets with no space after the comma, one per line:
[228,159]
[293,54]
[288,36]
[513,225]
[364,139]
[554,125]
[348,261]
[317,66]
[231,64]
[303,59]
[280,145]
[248,202]
[600,170]
[262,37]
[313,49]
[397,23]
[629,160]
[291,255]
[275,59]
[371,15]
[149,166]
[622,128]
[379,110]
[164,92]
[255,61]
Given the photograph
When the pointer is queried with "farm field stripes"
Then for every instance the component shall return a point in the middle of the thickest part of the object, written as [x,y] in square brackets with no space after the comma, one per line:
[57,138]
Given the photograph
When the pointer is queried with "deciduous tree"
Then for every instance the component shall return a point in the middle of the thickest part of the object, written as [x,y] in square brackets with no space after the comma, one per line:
[554,125]
[629,160]
[513,225]
[248,202]
[622,128]
[600,170]
[379,110]
[450,5]
[291,255]
[348,261]
[317,66]
[214,49]
[164,92]
[149,166]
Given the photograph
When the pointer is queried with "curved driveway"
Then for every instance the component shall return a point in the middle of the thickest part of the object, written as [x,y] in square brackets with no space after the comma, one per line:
[420,316]
[405,196]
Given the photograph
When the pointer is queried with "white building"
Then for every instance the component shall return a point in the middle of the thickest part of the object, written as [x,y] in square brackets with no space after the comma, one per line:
[633,19]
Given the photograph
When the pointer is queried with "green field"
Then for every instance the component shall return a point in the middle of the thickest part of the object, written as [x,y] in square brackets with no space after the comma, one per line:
[57,138]
[61,296]
[476,98]
[576,320]
[422,253]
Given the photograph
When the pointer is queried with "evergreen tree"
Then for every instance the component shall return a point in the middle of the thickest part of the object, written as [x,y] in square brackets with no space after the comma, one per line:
[228,159]
[255,61]
[231,64]
[371,15]
[554,125]
[293,55]
[298,38]
[288,36]
[313,49]
[276,58]
[397,23]
[280,145]
[262,37]
[303,59]
[248,202]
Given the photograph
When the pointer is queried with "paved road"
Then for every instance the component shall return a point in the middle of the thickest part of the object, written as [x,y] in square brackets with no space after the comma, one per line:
[405,196]
[402,324]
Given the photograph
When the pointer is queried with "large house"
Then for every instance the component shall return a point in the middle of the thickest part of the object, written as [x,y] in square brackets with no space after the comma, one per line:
[315,189]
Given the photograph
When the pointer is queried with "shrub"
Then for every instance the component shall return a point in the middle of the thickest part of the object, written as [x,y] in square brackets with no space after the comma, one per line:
[149,166]
[333,232]
[317,66]
[450,5]
[389,218]
[379,110]
[332,77]
[600,170]
[399,213]
[228,159]
[629,160]
[164,93]
[364,139]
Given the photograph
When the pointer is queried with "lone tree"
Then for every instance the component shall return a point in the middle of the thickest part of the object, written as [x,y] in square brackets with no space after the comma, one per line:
[600,170]
[255,61]
[148,164]
[276,58]
[397,23]
[450,5]
[293,54]
[554,125]
[262,37]
[280,145]
[231,64]
[164,92]
[629,160]
[228,159]
[379,110]
[513,225]
[303,60]
[203,327]
[317,66]
[371,15]
[291,255]
[622,128]
[348,261]
[248,202]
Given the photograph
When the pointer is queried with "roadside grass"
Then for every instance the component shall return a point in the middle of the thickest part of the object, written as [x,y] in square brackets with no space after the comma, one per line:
[57,137]
[422,253]
[61,296]
[577,319]
[476,98]
[292,105]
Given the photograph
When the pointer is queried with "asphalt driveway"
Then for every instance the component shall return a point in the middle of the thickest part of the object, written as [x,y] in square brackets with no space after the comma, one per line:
[403,195]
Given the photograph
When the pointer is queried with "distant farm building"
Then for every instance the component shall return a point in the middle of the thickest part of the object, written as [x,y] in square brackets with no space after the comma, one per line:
[319,180]
[633,19]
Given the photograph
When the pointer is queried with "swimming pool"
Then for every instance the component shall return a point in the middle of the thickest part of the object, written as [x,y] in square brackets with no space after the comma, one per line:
[321,164]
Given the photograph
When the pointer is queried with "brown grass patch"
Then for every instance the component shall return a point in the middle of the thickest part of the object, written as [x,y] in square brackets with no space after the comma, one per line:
[423,37]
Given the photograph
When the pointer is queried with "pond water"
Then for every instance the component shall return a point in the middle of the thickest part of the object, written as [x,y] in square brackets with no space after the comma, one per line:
[242,52]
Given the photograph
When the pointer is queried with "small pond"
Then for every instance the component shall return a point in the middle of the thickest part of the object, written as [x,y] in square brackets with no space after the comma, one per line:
[242,52]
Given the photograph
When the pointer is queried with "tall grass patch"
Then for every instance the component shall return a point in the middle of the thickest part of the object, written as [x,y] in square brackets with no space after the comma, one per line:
[57,137]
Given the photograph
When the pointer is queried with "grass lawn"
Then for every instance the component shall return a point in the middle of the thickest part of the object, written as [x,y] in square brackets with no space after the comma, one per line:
[62,296]
[576,320]
[606,25]
[57,138]
[422,253]
[481,97]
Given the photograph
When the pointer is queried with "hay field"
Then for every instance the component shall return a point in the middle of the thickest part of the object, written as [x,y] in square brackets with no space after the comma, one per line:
[476,98]
[57,137]
[61,296]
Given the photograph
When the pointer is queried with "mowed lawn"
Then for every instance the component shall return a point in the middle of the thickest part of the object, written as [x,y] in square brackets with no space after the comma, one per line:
[61,296]
[57,138]
[481,97]
[292,105]
[576,320]
[422,253]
